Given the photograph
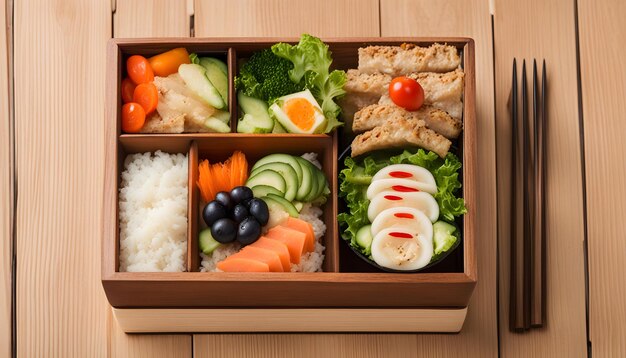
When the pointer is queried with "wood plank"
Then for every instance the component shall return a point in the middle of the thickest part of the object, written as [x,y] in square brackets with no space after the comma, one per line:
[323,18]
[540,29]
[601,26]
[59,106]
[6,190]
[146,18]
[151,18]
[222,320]
[145,345]
[463,18]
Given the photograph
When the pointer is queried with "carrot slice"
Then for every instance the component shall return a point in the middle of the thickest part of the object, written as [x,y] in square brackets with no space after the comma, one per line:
[166,63]
[242,265]
[133,117]
[304,227]
[269,257]
[295,241]
[147,96]
[278,247]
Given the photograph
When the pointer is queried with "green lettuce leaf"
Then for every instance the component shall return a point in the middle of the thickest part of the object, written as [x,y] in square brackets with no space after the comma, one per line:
[357,176]
[311,61]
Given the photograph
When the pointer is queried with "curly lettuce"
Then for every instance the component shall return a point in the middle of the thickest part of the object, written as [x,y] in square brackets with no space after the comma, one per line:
[311,61]
[357,176]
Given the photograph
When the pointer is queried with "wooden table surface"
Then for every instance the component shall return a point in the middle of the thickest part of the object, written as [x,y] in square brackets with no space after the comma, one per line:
[52,77]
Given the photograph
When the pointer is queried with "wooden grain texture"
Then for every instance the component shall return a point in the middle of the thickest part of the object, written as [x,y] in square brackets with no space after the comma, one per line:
[59,107]
[161,18]
[323,18]
[601,26]
[151,18]
[544,29]
[221,320]
[6,190]
[146,346]
[464,18]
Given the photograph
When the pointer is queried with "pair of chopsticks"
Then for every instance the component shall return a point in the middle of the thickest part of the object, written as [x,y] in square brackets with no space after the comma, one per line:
[528,229]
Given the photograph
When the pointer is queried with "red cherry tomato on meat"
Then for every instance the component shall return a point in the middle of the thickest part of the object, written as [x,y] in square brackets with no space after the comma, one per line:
[128,89]
[406,93]
[139,69]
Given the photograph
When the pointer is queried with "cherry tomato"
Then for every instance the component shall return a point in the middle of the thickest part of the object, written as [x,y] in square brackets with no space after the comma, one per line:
[406,93]
[133,117]
[139,69]
[128,88]
[147,96]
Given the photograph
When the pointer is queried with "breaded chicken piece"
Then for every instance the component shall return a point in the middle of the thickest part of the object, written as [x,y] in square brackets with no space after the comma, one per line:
[352,103]
[398,133]
[435,119]
[408,58]
[174,123]
[371,83]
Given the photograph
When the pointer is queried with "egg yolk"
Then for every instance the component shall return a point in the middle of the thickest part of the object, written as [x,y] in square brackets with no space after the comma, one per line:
[301,112]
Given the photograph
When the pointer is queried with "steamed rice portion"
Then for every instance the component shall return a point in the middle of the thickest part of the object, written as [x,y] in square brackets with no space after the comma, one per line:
[153,213]
[309,262]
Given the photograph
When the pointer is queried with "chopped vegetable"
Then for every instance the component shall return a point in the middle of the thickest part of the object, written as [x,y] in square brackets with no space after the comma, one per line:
[139,69]
[167,63]
[133,117]
[147,96]
[214,178]
[266,76]
[128,88]
[311,61]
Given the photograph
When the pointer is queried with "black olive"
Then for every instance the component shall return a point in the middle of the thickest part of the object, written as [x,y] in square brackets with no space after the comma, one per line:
[259,209]
[224,230]
[213,211]
[249,231]
[240,194]
[239,213]
[224,198]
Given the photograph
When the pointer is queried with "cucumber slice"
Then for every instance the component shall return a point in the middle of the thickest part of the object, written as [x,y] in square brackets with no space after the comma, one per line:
[218,78]
[214,61]
[298,205]
[223,116]
[206,242]
[278,128]
[217,125]
[255,119]
[364,238]
[195,78]
[322,184]
[286,204]
[260,191]
[288,174]
[269,178]
[281,158]
[443,237]
[312,189]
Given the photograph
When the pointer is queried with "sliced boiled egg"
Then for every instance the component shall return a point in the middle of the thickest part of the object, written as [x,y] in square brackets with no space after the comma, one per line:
[396,185]
[299,113]
[400,248]
[420,200]
[409,172]
[410,219]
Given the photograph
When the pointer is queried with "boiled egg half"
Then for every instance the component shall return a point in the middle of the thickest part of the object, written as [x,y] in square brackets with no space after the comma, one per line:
[421,201]
[299,113]
[422,176]
[398,248]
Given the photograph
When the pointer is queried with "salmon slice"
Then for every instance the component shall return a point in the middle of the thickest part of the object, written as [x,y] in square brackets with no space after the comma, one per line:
[266,256]
[304,227]
[242,265]
[278,247]
[295,241]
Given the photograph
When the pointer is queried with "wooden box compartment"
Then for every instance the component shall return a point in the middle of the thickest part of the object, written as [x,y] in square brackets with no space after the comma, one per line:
[346,281]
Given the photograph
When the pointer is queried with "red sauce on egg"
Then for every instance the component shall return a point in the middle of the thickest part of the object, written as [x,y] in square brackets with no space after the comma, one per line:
[404,189]
[392,197]
[404,215]
[402,235]
[400,174]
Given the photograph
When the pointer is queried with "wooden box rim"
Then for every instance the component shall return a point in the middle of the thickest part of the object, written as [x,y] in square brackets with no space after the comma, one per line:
[109,273]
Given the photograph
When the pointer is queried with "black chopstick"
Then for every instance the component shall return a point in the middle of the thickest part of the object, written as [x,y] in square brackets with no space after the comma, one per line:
[539,227]
[526,187]
[516,284]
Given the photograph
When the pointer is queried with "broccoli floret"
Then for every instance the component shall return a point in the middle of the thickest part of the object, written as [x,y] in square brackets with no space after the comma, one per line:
[266,76]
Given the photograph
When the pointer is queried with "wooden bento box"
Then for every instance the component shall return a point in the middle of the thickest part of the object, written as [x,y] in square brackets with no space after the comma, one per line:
[347,281]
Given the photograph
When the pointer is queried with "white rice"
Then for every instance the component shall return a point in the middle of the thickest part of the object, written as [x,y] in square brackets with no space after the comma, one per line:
[153,213]
[309,262]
